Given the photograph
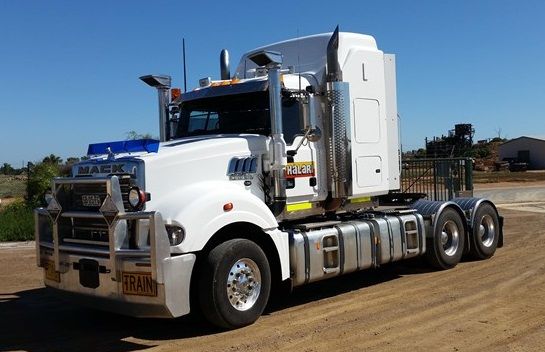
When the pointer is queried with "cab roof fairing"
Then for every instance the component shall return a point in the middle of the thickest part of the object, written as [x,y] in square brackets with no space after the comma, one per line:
[232,88]
[308,54]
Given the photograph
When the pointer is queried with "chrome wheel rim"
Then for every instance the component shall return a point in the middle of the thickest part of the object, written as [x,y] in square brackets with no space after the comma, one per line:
[450,238]
[243,284]
[487,231]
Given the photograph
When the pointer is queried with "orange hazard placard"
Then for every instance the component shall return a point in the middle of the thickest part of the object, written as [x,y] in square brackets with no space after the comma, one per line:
[300,169]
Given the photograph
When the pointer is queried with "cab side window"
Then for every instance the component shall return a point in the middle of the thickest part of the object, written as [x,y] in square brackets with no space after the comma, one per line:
[292,119]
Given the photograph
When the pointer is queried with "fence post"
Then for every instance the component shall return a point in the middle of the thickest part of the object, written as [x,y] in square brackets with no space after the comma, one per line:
[28,182]
[435,171]
[469,174]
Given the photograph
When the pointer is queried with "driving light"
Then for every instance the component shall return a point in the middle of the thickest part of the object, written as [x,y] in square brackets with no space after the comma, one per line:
[137,198]
[176,234]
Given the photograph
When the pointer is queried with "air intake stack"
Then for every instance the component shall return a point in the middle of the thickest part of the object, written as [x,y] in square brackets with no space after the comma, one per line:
[162,84]
[272,60]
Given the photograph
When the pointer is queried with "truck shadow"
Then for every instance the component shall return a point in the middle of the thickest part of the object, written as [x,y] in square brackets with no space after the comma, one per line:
[347,283]
[36,320]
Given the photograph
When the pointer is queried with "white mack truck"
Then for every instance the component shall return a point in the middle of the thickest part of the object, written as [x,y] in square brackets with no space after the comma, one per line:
[286,172]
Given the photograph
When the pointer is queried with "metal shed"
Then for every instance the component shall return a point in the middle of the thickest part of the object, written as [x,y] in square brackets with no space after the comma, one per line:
[525,149]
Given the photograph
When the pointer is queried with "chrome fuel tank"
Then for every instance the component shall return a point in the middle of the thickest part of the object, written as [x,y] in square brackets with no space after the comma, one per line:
[319,251]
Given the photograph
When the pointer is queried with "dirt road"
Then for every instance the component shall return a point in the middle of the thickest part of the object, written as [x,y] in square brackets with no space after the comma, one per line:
[493,305]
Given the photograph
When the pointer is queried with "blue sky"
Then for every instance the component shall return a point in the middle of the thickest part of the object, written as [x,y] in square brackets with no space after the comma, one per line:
[69,69]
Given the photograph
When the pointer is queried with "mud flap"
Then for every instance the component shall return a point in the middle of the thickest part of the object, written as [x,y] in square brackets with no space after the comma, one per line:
[500,240]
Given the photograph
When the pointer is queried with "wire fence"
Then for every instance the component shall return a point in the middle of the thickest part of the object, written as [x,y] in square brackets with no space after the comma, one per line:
[440,179]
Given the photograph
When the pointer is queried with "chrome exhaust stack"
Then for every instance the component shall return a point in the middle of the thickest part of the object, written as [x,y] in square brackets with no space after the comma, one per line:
[225,71]
[273,62]
[334,73]
[338,125]
[162,84]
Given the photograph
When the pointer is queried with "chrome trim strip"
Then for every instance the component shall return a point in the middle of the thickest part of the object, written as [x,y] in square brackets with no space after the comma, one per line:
[94,243]
[82,215]
[73,180]
[80,250]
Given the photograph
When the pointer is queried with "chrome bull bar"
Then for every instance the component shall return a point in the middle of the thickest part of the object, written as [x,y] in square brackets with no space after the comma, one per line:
[159,245]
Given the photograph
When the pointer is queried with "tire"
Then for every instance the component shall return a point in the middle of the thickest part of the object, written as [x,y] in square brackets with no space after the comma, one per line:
[445,248]
[485,232]
[235,284]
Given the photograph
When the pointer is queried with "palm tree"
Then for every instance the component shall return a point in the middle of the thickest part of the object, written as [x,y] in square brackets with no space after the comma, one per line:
[52,159]
[133,135]
[6,169]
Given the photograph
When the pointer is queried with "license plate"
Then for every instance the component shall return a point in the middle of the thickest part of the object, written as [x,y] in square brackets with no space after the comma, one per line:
[90,200]
[50,272]
[140,284]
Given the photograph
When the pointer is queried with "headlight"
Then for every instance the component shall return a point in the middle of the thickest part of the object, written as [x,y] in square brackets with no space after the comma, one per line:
[137,198]
[176,234]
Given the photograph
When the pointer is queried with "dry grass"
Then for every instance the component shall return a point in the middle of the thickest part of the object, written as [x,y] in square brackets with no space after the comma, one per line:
[506,176]
[12,186]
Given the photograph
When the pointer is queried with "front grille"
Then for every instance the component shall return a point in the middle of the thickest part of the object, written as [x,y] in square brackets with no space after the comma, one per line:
[125,184]
[90,196]
[81,190]
[83,231]
[87,197]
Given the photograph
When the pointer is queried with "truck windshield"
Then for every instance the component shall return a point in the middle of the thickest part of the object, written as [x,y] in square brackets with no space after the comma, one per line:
[237,114]
[241,113]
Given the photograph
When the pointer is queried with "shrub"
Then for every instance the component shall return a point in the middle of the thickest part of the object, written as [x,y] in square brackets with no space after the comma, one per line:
[40,181]
[17,222]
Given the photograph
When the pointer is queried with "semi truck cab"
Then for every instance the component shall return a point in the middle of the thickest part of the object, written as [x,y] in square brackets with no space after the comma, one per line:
[285,173]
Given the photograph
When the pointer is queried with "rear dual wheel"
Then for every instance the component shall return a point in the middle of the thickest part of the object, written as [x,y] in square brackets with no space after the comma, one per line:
[445,248]
[485,234]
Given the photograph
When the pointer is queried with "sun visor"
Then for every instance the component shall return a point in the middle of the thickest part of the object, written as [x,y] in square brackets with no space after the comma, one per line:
[226,89]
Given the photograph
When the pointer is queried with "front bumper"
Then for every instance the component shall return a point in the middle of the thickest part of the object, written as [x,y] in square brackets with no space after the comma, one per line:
[144,282]
[172,299]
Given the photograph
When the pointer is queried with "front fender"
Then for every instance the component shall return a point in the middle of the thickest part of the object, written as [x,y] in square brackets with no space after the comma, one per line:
[199,210]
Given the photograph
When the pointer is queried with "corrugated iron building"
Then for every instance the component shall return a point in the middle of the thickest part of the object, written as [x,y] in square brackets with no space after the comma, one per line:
[524,149]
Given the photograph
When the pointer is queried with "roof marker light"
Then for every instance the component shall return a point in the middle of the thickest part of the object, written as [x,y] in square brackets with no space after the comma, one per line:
[175,93]
[139,145]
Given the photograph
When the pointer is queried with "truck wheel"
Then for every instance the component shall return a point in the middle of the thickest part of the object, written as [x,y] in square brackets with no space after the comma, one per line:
[446,247]
[485,234]
[235,284]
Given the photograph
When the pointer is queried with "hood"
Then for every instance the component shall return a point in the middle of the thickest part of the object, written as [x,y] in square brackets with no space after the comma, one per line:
[189,161]
[205,146]
[196,158]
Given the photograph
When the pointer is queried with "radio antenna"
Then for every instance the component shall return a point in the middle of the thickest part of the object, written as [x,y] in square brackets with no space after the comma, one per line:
[185,74]
[299,58]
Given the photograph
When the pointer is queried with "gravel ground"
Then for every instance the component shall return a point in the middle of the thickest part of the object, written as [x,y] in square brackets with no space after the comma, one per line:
[492,305]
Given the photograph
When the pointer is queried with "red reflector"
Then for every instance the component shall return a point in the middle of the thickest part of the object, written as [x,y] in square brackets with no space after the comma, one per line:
[175,93]
[228,207]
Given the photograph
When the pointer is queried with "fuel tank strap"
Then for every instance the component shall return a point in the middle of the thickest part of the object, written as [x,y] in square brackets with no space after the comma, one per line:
[375,242]
[390,240]
[403,237]
[307,257]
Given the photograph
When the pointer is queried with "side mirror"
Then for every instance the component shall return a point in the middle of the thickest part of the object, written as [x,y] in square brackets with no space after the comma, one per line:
[311,131]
